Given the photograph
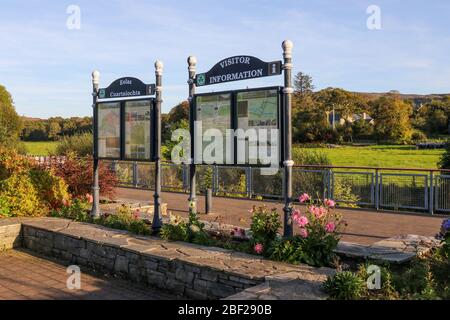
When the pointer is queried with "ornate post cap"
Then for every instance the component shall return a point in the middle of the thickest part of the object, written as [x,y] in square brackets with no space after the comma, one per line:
[159,67]
[95,77]
[192,62]
[287,47]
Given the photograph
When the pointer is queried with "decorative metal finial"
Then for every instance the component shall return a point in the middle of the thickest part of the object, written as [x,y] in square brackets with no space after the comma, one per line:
[95,77]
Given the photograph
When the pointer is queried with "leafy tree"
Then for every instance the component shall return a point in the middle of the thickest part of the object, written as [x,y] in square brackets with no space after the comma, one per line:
[179,112]
[343,102]
[10,122]
[303,84]
[433,117]
[392,119]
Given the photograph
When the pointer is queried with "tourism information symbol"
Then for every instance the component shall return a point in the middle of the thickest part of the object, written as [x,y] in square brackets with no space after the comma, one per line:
[126,88]
[238,68]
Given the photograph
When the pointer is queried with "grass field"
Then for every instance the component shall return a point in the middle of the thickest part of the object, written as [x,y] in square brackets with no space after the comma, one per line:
[383,156]
[41,148]
[371,156]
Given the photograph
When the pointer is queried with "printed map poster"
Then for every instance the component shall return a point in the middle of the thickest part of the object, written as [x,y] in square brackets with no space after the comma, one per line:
[109,130]
[215,113]
[258,110]
[138,130]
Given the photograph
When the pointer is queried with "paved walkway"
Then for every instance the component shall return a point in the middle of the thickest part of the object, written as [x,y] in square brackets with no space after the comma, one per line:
[364,226]
[26,276]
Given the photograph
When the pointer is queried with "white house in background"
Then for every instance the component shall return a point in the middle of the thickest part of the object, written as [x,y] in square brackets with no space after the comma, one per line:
[335,118]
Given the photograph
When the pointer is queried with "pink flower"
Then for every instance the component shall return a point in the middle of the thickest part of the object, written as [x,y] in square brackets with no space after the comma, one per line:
[330,227]
[304,197]
[303,233]
[259,248]
[318,212]
[302,221]
[329,203]
[295,215]
[89,198]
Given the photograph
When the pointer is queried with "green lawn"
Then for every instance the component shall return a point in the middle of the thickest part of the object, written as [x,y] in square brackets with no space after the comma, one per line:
[40,148]
[371,156]
[383,156]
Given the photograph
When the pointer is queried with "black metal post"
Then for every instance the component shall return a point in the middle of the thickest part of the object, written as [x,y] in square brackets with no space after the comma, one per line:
[95,211]
[288,163]
[192,63]
[157,221]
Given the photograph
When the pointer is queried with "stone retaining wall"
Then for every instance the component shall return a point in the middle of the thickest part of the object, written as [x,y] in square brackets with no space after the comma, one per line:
[10,235]
[188,270]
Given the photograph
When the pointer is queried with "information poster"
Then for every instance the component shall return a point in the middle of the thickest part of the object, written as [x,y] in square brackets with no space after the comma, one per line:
[214,111]
[109,130]
[138,130]
[258,110]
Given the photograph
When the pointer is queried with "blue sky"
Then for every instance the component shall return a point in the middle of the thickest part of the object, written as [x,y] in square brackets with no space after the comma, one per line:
[47,67]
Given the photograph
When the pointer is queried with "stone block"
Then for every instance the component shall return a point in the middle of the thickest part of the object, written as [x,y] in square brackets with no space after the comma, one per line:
[175,286]
[195,294]
[155,278]
[121,264]
[209,275]
[218,290]
[184,276]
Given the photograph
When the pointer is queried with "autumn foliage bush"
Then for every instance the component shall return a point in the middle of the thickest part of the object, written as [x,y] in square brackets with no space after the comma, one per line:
[77,173]
[27,190]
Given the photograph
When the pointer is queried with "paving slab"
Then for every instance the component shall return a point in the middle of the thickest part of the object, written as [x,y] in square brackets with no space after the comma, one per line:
[27,276]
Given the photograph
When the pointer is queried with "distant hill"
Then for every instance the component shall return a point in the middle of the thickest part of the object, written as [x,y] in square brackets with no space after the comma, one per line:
[417,99]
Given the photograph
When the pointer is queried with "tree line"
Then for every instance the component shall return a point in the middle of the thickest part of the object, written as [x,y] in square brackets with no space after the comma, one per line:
[331,115]
[54,129]
[383,118]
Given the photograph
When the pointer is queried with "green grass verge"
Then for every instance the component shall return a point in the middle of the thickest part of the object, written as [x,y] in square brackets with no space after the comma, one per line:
[382,156]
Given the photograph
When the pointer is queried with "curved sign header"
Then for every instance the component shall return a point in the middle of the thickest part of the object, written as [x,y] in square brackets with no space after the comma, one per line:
[126,88]
[238,68]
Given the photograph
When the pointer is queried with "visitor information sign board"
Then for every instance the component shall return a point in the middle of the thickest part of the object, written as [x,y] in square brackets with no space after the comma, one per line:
[254,109]
[124,129]
[259,110]
[238,68]
[108,130]
[138,134]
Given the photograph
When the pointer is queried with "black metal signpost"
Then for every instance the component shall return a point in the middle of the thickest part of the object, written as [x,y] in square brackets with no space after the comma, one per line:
[127,126]
[243,68]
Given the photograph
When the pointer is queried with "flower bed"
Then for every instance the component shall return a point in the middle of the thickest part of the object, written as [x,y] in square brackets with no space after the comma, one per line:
[426,278]
[319,230]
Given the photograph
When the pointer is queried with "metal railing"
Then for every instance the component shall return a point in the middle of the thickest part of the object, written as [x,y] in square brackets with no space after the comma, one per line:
[419,190]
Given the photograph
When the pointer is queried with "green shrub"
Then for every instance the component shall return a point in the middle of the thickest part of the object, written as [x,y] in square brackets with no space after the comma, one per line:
[52,190]
[305,156]
[190,231]
[418,136]
[78,210]
[345,285]
[444,162]
[342,190]
[5,210]
[81,145]
[173,232]
[265,225]
[20,198]
[126,219]
[413,280]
